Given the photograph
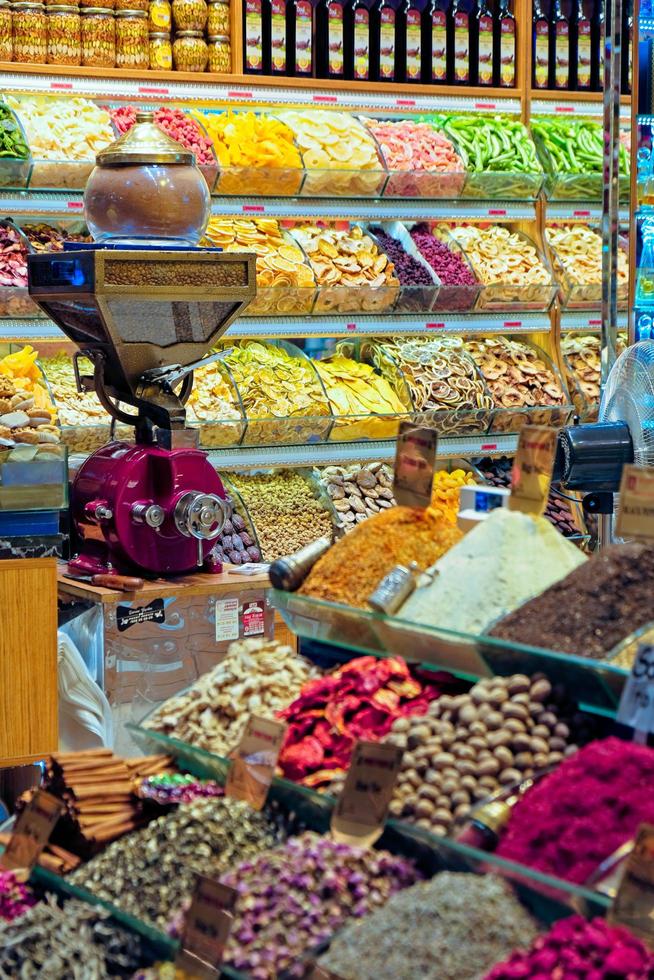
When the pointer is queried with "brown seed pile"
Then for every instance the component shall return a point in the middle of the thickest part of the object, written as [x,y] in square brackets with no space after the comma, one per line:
[469,745]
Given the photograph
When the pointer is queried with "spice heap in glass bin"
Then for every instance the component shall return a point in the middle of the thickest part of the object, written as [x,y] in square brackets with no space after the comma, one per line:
[444,382]
[592,949]
[468,746]
[285,282]
[499,564]
[361,699]
[398,536]
[256,677]
[296,896]
[352,272]
[571,820]
[453,927]
[285,510]
[179,125]
[518,377]
[253,142]
[26,412]
[365,405]
[279,385]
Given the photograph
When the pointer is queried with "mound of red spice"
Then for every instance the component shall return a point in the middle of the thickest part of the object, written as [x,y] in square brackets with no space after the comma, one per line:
[359,700]
[576,948]
[571,820]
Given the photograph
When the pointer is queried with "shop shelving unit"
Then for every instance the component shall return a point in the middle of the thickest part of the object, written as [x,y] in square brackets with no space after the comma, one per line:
[244,91]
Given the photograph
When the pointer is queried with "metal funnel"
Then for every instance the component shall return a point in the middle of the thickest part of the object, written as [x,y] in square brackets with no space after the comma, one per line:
[142,314]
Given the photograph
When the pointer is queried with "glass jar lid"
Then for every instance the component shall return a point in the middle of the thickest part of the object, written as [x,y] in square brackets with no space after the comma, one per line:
[225,2]
[159,34]
[4,3]
[61,8]
[29,6]
[131,13]
[189,34]
[109,11]
[218,38]
[144,143]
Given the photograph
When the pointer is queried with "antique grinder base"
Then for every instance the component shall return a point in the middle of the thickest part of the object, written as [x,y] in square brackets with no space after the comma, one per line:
[134,511]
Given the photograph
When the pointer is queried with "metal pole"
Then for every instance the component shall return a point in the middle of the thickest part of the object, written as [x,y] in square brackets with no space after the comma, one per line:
[611,203]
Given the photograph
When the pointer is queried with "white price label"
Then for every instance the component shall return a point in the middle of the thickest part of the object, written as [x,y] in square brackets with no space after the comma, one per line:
[226,619]
[636,707]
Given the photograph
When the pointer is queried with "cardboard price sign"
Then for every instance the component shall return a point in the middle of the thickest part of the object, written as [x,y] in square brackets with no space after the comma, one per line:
[636,707]
[636,510]
[415,461]
[634,903]
[253,763]
[360,813]
[208,924]
[531,474]
[32,831]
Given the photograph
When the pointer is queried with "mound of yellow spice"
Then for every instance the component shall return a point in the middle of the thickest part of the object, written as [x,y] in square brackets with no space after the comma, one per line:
[351,570]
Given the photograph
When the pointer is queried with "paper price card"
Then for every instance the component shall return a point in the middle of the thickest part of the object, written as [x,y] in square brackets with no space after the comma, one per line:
[415,461]
[636,707]
[32,831]
[253,763]
[532,469]
[360,813]
[207,926]
[636,510]
[634,903]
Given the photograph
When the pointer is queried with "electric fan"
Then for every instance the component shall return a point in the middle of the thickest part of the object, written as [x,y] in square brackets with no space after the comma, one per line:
[590,457]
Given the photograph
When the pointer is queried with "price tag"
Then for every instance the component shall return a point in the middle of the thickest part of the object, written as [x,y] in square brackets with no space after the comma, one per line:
[325,98]
[253,209]
[360,813]
[636,707]
[532,469]
[253,764]
[415,460]
[227,619]
[32,831]
[351,327]
[435,326]
[208,923]
[634,903]
[636,510]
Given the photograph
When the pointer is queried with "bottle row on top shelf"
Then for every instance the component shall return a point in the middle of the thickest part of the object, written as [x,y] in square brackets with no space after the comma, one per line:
[51,143]
[386,267]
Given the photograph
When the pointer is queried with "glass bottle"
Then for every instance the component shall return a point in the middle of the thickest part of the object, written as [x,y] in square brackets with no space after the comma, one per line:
[597,69]
[484,35]
[278,58]
[330,55]
[560,42]
[382,41]
[434,42]
[459,42]
[357,40]
[645,276]
[299,37]
[541,47]
[408,42]
[256,31]
[505,46]
[581,60]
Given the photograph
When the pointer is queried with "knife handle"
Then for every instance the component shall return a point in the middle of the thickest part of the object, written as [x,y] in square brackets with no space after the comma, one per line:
[122,583]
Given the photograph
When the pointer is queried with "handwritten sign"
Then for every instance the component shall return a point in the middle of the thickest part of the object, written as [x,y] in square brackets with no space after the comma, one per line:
[32,831]
[253,764]
[532,469]
[636,707]
[362,807]
[415,460]
[206,930]
[636,510]
[634,903]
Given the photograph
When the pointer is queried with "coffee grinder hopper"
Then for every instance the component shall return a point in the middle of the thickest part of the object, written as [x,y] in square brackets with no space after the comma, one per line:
[145,318]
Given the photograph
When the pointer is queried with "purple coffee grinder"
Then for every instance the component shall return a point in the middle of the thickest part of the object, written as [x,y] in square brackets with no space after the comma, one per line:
[143,304]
